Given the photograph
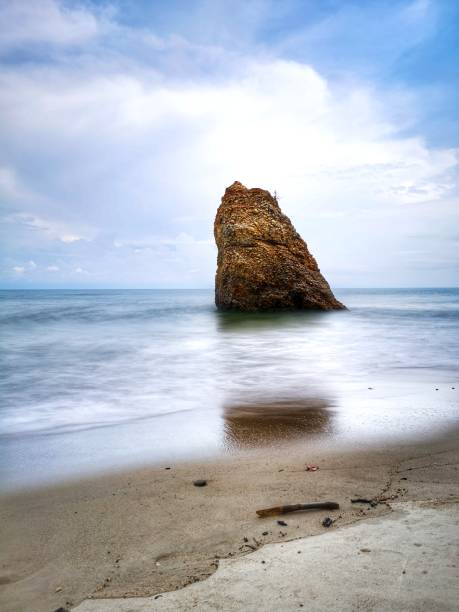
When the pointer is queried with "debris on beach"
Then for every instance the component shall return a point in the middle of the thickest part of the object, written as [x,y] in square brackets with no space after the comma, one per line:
[327,522]
[364,500]
[312,468]
[282,523]
[295,507]
[200,483]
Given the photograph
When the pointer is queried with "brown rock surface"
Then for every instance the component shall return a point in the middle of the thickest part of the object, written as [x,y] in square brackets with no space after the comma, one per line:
[263,263]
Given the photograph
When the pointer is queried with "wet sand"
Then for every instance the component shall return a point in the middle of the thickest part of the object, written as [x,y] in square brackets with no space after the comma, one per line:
[149,530]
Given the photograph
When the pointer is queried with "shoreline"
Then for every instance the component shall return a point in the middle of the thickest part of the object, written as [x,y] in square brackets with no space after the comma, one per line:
[366,414]
[149,530]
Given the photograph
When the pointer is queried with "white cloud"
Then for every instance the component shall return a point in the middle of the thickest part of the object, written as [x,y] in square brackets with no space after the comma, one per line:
[53,268]
[30,266]
[276,124]
[69,238]
[25,22]
[52,229]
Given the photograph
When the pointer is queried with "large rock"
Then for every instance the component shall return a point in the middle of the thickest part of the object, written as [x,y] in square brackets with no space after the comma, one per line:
[263,263]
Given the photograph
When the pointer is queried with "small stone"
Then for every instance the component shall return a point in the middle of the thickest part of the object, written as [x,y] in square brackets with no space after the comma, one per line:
[327,522]
[265,533]
[58,590]
[365,550]
[282,523]
[200,483]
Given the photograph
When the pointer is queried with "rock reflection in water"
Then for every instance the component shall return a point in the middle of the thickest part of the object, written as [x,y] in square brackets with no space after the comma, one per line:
[262,423]
[256,321]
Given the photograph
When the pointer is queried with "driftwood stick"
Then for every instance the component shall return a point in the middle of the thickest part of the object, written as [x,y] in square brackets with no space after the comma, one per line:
[294,507]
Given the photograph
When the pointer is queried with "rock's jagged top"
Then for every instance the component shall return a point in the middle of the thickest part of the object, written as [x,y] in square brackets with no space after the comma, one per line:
[263,263]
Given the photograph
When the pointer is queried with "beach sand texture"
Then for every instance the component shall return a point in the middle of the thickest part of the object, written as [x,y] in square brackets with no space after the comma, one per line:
[143,532]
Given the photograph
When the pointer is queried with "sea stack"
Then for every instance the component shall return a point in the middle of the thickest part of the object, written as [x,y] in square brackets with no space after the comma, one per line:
[263,263]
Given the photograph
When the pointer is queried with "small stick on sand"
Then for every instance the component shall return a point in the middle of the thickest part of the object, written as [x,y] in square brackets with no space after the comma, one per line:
[294,507]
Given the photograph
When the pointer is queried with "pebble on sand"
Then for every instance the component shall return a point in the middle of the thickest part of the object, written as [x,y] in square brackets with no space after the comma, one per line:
[200,483]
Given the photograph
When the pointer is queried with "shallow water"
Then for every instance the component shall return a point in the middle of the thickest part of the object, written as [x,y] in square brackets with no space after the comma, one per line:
[100,379]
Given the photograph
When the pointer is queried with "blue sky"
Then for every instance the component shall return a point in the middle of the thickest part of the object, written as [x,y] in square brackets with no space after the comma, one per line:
[122,123]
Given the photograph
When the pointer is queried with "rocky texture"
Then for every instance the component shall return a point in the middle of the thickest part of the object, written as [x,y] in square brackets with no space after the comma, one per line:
[263,263]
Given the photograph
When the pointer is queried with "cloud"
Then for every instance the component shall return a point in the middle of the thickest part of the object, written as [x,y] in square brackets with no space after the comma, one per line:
[53,268]
[272,123]
[52,229]
[30,266]
[45,22]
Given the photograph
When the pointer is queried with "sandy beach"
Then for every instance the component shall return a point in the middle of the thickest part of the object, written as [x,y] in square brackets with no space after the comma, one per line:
[146,531]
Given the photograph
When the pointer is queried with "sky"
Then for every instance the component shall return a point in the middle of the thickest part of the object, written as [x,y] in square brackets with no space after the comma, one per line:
[122,123]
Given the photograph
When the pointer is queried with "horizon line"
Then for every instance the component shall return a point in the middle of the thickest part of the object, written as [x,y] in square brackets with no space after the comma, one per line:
[205,288]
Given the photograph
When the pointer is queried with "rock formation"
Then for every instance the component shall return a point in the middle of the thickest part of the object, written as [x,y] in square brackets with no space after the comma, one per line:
[263,263]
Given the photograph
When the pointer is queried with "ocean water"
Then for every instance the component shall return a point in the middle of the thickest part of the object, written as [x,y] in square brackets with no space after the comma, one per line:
[94,380]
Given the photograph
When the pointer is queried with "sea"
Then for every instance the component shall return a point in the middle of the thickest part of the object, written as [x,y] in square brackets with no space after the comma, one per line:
[96,380]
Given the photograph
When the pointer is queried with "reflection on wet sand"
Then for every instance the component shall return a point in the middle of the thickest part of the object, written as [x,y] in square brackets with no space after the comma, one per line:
[262,423]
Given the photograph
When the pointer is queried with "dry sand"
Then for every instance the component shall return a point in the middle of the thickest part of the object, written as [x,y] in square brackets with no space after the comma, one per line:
[150,530]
